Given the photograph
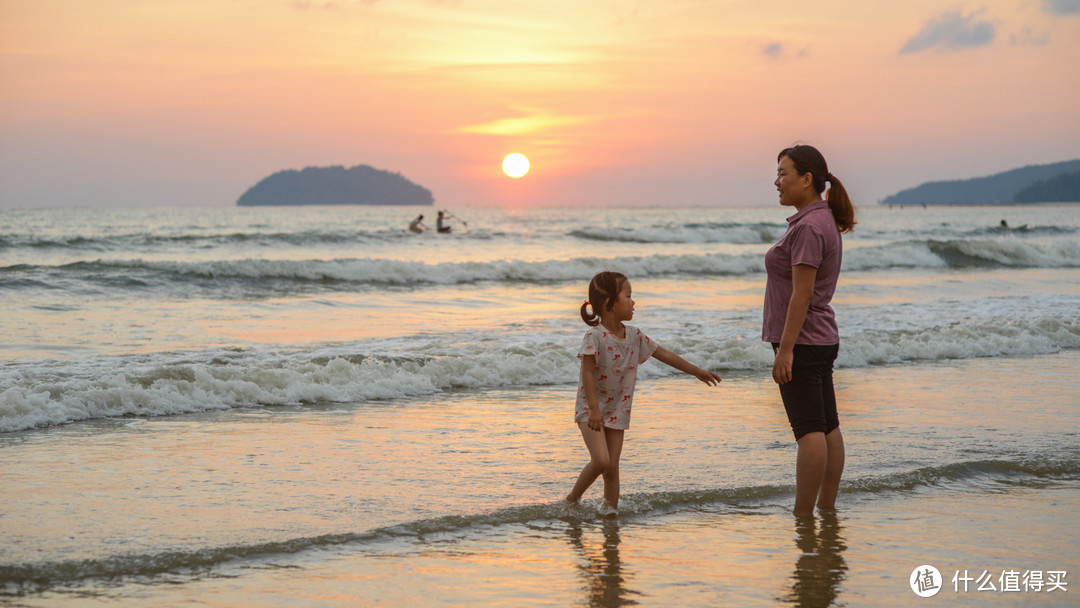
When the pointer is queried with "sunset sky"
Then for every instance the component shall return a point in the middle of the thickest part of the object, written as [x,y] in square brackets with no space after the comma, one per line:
[147,102]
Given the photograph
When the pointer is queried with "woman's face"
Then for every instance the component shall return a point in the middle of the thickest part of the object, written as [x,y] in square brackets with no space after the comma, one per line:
[794,189]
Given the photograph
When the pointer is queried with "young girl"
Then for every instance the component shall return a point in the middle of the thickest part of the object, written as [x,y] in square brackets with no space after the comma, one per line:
[610,355]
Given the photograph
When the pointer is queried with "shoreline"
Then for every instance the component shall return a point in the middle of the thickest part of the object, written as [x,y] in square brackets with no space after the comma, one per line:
[746,555]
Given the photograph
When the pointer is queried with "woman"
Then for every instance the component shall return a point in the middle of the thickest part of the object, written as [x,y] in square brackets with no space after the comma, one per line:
[803,268]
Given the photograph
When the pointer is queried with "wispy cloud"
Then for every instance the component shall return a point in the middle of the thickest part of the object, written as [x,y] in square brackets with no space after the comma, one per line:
[776,50]
[1062,7]
[952,31]
[1026,37]
[523,125]
[328,4]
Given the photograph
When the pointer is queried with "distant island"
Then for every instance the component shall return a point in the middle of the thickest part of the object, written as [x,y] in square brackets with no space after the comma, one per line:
[359,185]
[1057,189]
[1057,182]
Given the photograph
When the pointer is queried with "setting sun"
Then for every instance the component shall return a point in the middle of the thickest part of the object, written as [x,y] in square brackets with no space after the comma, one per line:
[515,165]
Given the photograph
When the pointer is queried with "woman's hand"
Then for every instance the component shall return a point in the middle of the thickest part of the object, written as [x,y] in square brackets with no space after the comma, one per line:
[596,419]
[781,367]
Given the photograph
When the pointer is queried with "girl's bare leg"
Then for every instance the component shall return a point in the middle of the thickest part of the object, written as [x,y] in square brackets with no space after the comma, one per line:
[597,444]
[614,439]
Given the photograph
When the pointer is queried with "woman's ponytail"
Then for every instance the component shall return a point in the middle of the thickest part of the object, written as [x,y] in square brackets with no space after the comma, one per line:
[807,159]
[843,211]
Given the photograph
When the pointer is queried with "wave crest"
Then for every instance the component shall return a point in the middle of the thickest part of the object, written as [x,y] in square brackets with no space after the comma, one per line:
[72,391]
[277,275]
[735,233]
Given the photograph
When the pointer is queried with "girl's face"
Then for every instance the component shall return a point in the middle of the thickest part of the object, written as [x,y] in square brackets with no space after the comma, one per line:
[623,309]
[794,189]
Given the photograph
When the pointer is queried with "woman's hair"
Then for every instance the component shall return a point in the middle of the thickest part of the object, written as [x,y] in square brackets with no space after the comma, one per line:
[603,289]
[807,159]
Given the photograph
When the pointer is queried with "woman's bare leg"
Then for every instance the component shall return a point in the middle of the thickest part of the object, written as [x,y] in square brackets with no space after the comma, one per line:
[809,472]
[834,468]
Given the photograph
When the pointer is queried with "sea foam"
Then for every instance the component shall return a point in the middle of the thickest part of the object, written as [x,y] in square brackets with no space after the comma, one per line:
[286,276]
[58,392]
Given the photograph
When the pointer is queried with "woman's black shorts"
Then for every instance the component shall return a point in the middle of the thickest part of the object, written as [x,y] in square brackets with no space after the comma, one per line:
[809,397]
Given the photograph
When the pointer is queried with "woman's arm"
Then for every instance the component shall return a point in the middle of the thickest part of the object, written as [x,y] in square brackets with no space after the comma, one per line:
[588,380]
[666,356]
[802,283]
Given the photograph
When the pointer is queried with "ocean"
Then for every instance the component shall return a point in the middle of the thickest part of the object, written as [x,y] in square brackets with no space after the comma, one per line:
[312,406]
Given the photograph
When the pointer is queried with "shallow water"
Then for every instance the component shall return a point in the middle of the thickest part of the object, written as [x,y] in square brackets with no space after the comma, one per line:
[335,505]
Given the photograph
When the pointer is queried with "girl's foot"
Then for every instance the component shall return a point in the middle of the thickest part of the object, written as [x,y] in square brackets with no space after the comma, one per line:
[608,511]
[570,500]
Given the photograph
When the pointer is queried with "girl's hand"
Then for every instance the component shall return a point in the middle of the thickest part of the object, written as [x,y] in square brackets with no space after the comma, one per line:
[596,419]
[667,357]
[710,378]
[781,368]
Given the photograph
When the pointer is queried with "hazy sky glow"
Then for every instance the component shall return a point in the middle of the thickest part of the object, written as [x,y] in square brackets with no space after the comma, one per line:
[145,102]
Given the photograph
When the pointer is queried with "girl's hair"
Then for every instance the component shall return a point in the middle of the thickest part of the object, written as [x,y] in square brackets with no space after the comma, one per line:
[603,289]
[807,159]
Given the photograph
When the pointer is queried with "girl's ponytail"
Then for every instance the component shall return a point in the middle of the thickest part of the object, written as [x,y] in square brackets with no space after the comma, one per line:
[590,319]
[603,290]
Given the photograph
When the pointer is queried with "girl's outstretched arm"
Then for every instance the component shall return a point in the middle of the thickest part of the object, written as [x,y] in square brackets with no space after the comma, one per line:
[666,356]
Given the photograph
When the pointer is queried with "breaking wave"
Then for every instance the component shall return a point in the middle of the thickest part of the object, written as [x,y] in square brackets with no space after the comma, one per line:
[59,392]
[740,234]
[272,276]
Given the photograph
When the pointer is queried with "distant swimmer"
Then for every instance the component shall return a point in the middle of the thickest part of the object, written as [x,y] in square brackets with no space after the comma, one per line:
[1004,224]
[440,226]
[417,225]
